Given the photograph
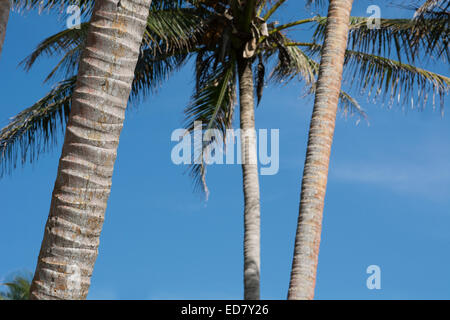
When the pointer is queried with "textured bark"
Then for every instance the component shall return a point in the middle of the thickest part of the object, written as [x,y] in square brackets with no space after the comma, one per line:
[71,239]
[250,183]
[307,242]
[5,6]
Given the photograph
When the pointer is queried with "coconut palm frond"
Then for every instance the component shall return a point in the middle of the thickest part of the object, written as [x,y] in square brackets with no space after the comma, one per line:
[292,62]
[431,7]
[405,83]
[438,11]
[386,78]
[173,29]
[348,104]
[212,105]
[33,130]
[168,30]
[260,78]
[68,65]
[69,42]
[402,37]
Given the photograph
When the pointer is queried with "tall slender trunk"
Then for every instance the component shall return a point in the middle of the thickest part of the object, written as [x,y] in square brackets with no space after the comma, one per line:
[250,182]
[307,242]
[5,7]
[83,182]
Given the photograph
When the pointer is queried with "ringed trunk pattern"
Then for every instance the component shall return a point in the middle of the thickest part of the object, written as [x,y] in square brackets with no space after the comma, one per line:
[5,7]
[250,182]
[71,239]
[307,242]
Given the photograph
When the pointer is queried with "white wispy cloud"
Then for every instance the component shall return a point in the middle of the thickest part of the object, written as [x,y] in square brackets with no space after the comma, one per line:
[431,180]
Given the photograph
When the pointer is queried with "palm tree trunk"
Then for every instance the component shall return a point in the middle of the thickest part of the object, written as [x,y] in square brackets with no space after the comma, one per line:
[307,242]
[71,239]
[250,183]
[5,7]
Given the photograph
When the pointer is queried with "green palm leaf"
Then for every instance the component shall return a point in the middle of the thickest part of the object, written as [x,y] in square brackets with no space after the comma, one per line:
[386,78]
[32,131]
[173,29]
[168,30]
[293,62]
[402,37]
[438,11]
[212,105]
[389,78]
[69,43]
[431,7]
[348,103]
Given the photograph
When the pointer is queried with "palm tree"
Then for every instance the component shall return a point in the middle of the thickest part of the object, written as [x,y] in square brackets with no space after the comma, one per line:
[70,245]
[237,36]
[438,11]
[238,65]
[227,55]
[18,288]
[306,254]
[429,34]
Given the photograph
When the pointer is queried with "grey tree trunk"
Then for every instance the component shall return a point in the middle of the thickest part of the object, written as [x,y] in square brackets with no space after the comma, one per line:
[307,242]
[250,183]
[71,239]
[5,7]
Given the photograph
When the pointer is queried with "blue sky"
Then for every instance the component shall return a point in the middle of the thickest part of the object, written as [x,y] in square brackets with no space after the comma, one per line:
[387,200]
